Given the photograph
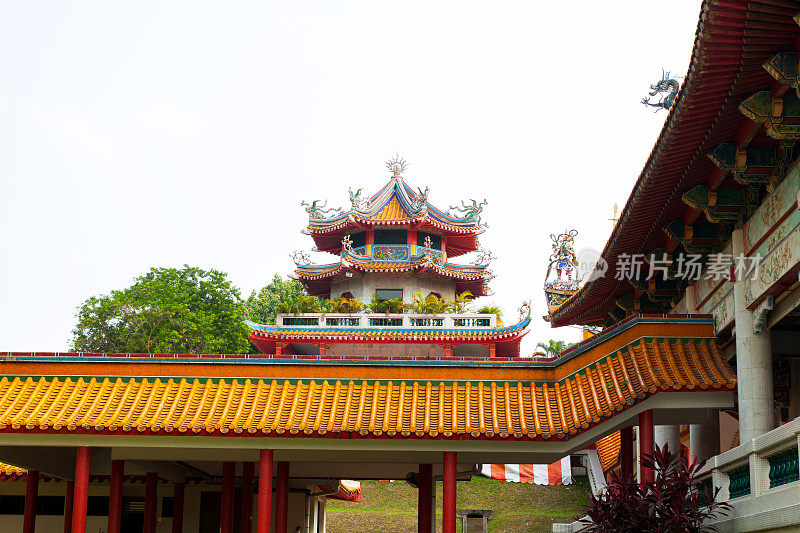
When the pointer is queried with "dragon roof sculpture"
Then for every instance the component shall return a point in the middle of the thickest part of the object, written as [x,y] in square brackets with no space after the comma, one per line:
[667,85]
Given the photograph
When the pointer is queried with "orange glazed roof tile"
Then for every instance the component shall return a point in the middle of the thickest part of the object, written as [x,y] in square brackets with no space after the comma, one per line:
[608,450]
[391,212]
[402,408]
[11,472]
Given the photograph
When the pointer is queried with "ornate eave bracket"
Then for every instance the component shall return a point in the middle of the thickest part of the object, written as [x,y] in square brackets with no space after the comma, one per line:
[779,114]
[721,205]
[760,314]
[695,238]
[749,166]
[783,67]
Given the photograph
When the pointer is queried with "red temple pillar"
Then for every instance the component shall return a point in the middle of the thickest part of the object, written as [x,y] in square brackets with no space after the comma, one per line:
[371,237]
[449,493]
[279,346]
[248,469]
[150,502]
[115,496]
[69,497]
[411,237]
[31,495]
[282,497]
[264,491]
[424,507]
[81,495]
[626,451]
[448,349]
[177,507]
[226,510]
[646,438]
[492,349]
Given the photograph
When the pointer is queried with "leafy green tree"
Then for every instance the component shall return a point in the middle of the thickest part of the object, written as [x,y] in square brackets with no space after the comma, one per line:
[167,310]
[554,347]
[263,305]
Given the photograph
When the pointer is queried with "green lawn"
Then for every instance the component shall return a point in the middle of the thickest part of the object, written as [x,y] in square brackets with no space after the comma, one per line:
[518,507]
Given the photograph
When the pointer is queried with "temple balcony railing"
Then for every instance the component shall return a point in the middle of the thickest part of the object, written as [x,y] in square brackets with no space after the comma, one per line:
[760,480]
[397,252]
[383,320]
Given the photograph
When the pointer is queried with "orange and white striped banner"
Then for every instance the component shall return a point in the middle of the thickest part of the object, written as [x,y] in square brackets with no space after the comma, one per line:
[558,473]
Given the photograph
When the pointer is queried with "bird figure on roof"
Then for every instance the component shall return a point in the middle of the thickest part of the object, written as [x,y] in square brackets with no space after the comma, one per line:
[355,198]
[666,85]
[422,198]
[317,211]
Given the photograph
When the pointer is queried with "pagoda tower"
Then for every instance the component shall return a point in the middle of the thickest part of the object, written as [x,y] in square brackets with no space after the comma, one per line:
[393,245]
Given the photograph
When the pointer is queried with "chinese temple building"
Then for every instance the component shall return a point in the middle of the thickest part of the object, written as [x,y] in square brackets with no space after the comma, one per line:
[718,195]
[393,246]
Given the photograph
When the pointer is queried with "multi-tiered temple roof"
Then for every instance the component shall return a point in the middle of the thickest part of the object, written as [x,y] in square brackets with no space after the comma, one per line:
[396,231]
[393,245]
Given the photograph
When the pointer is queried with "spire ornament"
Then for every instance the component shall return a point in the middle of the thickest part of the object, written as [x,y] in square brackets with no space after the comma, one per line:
[397,165]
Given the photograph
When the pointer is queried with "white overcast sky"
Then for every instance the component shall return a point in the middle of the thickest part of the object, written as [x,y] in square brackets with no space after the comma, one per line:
[161,133]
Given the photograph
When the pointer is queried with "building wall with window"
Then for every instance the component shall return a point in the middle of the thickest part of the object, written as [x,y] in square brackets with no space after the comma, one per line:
[365,286]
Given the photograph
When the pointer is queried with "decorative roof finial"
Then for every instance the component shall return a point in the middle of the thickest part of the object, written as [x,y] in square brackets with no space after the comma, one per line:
[397,165]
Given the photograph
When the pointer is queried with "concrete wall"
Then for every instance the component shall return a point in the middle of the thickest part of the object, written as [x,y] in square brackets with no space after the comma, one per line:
[365,286]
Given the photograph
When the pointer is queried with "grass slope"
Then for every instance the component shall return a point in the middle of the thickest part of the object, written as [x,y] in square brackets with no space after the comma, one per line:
[518,507]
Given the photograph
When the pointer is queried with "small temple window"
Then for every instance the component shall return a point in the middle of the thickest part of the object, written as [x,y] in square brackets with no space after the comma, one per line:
[390,236]
[359,239]
[389,294]
[347,295]
[435,294]
[436,240]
